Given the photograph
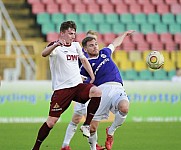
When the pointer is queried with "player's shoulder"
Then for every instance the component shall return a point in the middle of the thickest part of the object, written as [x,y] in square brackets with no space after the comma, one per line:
[75,43]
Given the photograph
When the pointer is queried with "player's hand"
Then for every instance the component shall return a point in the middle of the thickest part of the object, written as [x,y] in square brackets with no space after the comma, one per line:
[60,43]
[92,79]
[129,32]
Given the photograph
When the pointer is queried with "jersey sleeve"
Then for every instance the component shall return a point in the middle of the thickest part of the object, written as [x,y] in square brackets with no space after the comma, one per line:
[79,50]
[111,47]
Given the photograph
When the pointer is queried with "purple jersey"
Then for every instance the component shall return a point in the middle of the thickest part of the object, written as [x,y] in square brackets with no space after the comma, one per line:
[105,70]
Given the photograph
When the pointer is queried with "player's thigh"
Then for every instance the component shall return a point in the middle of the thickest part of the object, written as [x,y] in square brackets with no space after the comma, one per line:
[60,101]
[82,94]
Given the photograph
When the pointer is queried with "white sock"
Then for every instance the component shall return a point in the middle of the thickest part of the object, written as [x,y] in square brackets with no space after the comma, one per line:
[118,121]
[93,140]
[71,129]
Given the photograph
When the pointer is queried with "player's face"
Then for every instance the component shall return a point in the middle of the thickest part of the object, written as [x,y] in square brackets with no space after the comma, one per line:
[68,35]
[92,48]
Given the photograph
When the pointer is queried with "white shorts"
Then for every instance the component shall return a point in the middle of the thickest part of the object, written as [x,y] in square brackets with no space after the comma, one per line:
[112,94]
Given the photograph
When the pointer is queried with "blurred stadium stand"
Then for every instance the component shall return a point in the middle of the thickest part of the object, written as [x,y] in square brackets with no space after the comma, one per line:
[157,22]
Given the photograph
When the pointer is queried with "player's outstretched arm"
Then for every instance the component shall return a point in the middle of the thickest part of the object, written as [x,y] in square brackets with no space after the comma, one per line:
[88,68]
[118,41]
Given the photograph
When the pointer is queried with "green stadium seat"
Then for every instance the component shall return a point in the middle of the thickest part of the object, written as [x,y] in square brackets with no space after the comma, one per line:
[104,28]
[146,28]
[174,28]
[57,18]
[133,27]
[140,18]
[80,27]
[161,28]
[98,18]
[90,26]
[112,18]
[118,28]
[168,18]
[85,18]
[145,75]
[131,75]
[154,18]
[160,75]
[126,18]
[178,18]
[72,16]
[171,74]
[122,73]
[43,18]
[47,28]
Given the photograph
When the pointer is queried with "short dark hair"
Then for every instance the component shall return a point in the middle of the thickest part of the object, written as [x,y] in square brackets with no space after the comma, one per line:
[68,24]
[87,39]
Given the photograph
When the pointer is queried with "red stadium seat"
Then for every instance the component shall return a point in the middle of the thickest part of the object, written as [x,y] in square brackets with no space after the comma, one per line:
[170,46]
[177,38]
[53,36]
[33,1]
[80,36]
[152,37]
[135,8]
[66,8]
[162,9]
[117,2]
[143,46]
[130,2]
[157,46]
[107,8]
[75,1]
[144,2]
[88,2]
[48,1]
[149,8]
[138,37]
[100,2]
[122,9]
[169,2]
[93,9]
[38,8]
[108,38]
[175,8]
[80,8]
[52,8]
[166,38]
[59,2]
[128,46]
[157,2]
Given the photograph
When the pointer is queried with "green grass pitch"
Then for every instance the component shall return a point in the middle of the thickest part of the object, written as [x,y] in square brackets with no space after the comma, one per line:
[131,136]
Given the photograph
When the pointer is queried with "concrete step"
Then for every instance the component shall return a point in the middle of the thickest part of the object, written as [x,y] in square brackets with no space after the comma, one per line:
[15,2]
[24,23]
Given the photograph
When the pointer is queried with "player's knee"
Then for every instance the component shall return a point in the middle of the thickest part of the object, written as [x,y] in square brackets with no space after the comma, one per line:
[95,92]
[123,106]
[51,121]
[76,119]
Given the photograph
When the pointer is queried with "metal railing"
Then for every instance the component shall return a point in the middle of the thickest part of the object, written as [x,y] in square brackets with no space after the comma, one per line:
[11,35]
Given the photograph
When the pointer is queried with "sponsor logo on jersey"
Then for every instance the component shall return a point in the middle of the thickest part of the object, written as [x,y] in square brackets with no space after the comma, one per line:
[56,107]
[72,57]
[100,65]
